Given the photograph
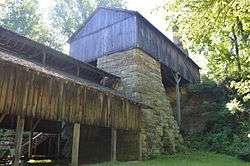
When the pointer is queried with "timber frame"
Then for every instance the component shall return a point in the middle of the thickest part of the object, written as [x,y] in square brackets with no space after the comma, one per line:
[39,53]
[33,84]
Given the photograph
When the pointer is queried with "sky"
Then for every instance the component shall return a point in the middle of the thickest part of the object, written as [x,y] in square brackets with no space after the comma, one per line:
[147,8]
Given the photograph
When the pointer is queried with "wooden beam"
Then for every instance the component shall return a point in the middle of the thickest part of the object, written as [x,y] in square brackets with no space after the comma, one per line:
[75,144]
[58,145]
[2,117]
[35,125]
[113,143]
[19,139]
[177,78]
[77,70]
[140,145]
[44,57]
[30,139]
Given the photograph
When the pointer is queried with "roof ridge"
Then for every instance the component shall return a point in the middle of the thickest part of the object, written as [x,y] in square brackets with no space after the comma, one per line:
[93,13]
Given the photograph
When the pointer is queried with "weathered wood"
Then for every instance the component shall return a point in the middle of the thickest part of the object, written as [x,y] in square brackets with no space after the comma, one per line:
[30,138]
[2,117]
[58,145]
[35,125]
[113,143]
[178,98]
[44,57]
[40,95]
[19,138]
[140,145]
[55,58]
[75,144]
[91,42]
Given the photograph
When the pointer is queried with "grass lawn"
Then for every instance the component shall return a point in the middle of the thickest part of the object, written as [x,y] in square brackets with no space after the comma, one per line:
[192,159]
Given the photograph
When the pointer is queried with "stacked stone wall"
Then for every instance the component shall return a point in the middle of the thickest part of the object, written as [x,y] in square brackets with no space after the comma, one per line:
[141,78]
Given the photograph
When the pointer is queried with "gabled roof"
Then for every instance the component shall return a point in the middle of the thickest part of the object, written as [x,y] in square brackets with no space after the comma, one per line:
[138,15]
[94,13]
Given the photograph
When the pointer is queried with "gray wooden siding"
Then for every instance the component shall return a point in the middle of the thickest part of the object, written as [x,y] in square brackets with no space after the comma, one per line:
[101,19]
[109,39]
[111,30]
[163,50]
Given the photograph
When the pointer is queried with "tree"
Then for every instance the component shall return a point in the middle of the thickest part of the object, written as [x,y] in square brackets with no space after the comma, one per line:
[218,29]
[69,15]
[25,18]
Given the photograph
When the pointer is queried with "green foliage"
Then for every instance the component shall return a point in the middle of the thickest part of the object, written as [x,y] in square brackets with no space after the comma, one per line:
[226,131]
[220,30]
[68,16]
[25,18]
[245,153]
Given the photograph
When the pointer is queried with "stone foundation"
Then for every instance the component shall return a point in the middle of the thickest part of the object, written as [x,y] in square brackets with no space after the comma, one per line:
[141,78]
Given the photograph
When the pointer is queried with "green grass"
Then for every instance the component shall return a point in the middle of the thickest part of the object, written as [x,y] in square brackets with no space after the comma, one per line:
[192,159]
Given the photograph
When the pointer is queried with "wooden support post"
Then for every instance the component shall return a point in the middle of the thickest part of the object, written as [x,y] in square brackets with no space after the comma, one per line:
[30,139]
[75,144]
[178,98]
[77,70]
[44,57]
[140,145]
[113,143]
[49,146]
[58,145]
[2,117]
[19,138]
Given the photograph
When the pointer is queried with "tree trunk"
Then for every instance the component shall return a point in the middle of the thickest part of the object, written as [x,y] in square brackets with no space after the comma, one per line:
[237,54]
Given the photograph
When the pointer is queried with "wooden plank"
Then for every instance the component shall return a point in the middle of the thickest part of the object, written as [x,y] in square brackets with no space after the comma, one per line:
[10,90]
[35,125]
[35,97]
[177,78]
[30,139]
[44,57]
[2,80]
[113,143]
[3,90]
[75,144]
[19,138]
[140,145]
[109,111]
[30,97]
[58,145]
[2,117]
[25,94]
[60,107]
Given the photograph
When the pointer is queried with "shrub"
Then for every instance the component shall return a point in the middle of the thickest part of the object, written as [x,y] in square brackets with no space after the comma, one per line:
[225,130]
[245,153]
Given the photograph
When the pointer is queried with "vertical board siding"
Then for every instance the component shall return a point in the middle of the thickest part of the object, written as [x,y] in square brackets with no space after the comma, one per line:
[106,40]
[109,31]
[101,19]
[161,49]
[29,93]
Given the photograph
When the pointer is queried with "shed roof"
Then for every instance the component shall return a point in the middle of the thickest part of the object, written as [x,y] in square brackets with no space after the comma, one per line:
[34,51]
[24,52]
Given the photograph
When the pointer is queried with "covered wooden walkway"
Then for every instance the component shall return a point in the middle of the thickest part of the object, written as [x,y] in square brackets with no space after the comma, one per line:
[33,89]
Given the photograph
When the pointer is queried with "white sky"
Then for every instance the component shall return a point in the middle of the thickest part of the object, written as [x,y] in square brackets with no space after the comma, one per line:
[145,7]
[148,9]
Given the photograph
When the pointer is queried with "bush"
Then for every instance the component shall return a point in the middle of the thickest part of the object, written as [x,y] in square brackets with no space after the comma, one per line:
[245,154]
[224,131]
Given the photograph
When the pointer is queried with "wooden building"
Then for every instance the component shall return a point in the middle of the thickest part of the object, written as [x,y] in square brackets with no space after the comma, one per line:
[40,85]
[41,88]
[110,30]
